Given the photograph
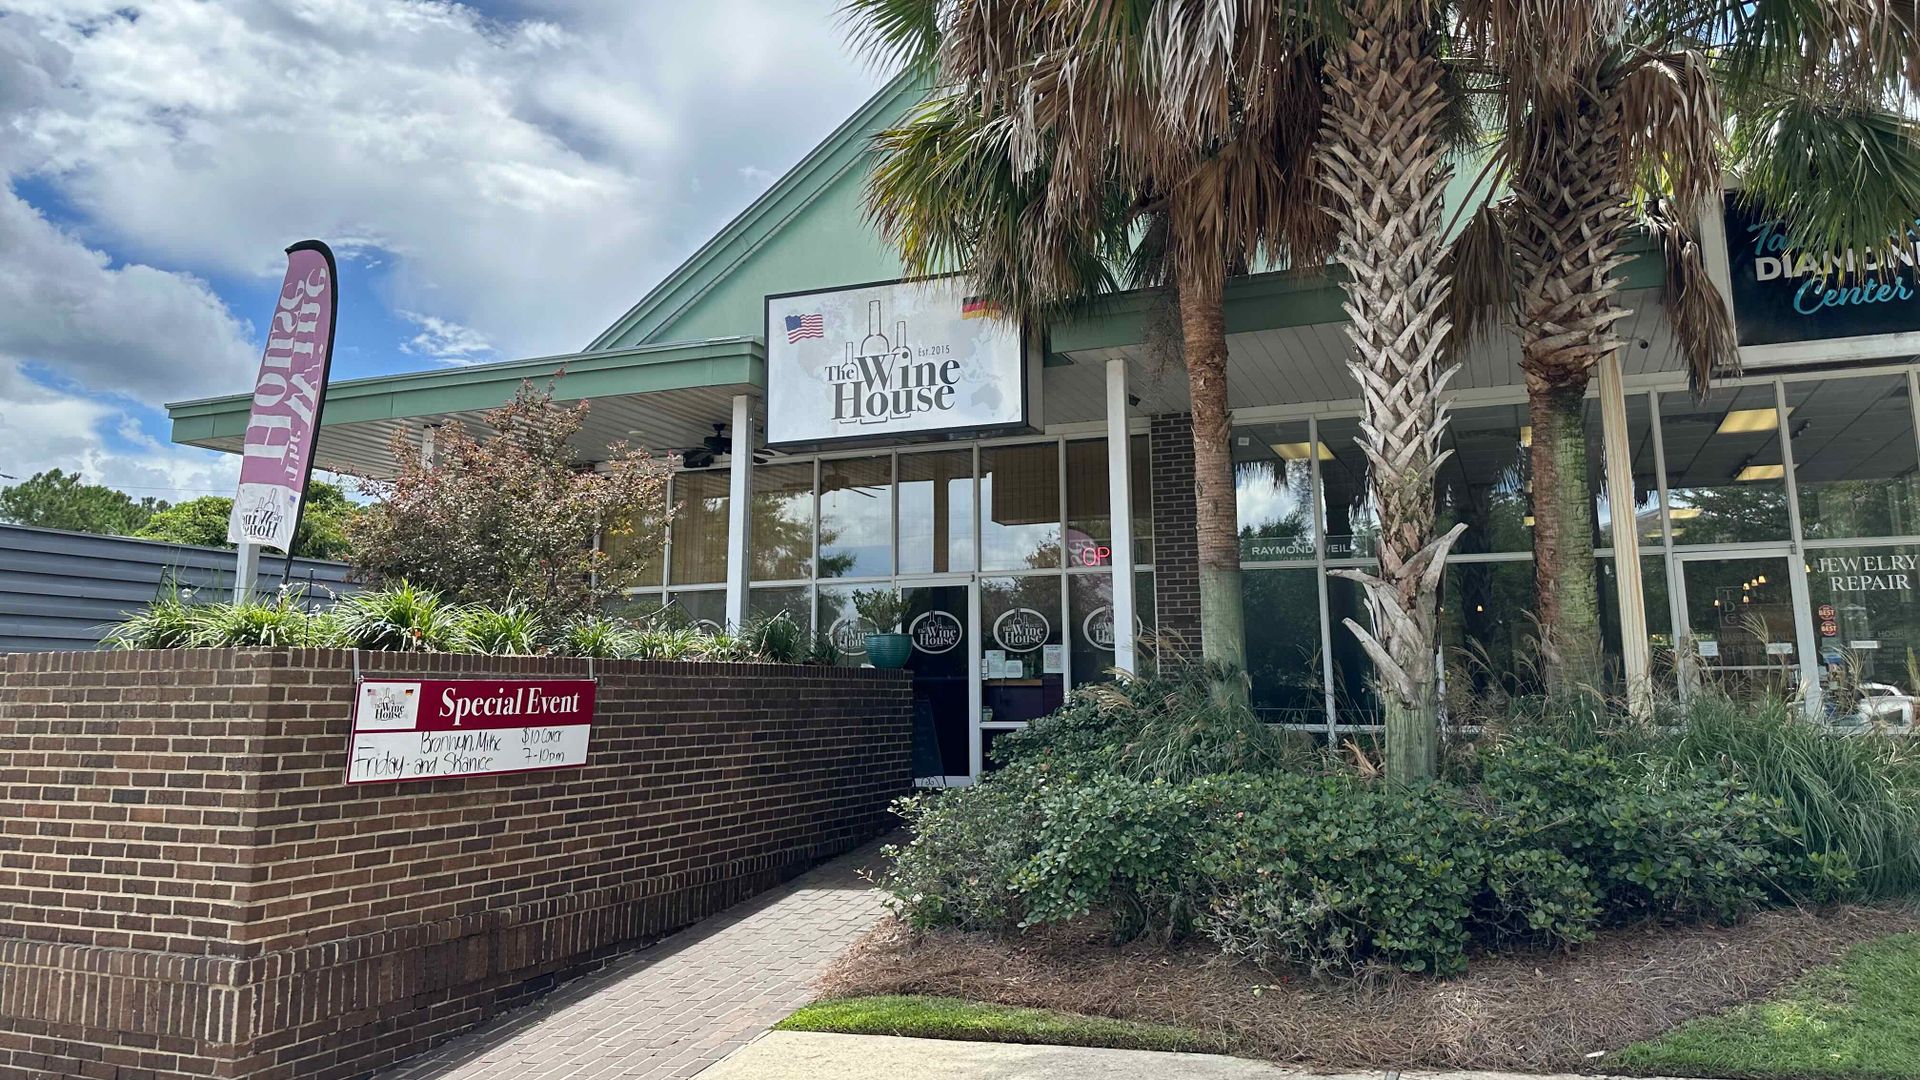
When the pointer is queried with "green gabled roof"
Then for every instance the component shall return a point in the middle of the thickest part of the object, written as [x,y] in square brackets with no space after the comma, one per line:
[706,296]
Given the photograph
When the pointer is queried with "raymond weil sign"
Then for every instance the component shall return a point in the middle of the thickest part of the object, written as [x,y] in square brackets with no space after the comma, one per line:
[424,729]
[1783,296]
[905,358]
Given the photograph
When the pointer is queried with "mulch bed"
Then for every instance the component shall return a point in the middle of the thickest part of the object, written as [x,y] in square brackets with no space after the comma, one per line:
[1534,1012]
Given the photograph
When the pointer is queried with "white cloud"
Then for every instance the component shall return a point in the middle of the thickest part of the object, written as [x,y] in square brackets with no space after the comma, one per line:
[45,428]
[129,329]
[445,340]
[528,179]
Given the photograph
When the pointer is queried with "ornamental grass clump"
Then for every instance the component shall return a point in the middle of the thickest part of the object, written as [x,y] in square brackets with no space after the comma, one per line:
[508,630]
[403,618]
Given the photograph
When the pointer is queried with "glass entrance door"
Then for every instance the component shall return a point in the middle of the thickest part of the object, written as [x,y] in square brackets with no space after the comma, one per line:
[1744,623]
[937,622]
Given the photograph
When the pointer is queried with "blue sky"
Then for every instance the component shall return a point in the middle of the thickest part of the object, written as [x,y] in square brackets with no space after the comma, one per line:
[498,180]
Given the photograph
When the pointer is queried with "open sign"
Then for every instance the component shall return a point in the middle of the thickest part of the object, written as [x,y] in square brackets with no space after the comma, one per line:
[1086,552]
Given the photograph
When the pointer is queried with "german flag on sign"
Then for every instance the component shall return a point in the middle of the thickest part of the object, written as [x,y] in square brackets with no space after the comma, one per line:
[978,307]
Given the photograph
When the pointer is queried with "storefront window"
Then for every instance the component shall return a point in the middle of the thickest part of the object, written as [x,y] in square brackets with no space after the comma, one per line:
[1352,523]
[699,528]
[1646,472]
[856,518]
[1020,518]
[1090,627]
[1283,650]
[1854,457]
[1725,471]
[1024,657]
[1354,699]
[1089,504]
[936,512]
[638,541]
[1273,491]
[1866,620]
[1488,637]
[1484,481]
[782,527]
[835,616]
[765,602]
[1653,584]
[705,609]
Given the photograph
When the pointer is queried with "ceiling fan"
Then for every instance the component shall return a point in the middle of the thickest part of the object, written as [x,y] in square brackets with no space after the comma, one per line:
[699,457]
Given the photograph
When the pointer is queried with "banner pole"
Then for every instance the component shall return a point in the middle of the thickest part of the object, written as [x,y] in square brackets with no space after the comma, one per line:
[246,565]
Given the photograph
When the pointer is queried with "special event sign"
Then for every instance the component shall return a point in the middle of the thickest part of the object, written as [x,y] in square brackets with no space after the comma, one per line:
[1781,295]
[423,729]
[906,358]
[277,449]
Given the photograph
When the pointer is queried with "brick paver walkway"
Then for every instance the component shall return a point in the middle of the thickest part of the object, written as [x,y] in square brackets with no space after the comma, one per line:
[676,1007]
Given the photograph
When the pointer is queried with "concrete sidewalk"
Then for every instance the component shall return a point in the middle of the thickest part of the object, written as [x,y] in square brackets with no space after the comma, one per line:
[805,1055]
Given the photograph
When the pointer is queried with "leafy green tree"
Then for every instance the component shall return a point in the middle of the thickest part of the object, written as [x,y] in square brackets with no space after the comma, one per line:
[64,500]
[203,521]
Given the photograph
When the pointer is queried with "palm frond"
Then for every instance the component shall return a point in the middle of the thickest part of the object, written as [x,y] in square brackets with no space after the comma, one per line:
[1671,124]
[1840,177]
[1480,262]
[1694,306]
[894,33]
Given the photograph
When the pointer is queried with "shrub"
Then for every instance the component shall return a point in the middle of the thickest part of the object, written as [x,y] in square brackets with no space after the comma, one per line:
[959,869]
[399,619]
[778,639]
[1117,844]
[170,622]
[512,514]
[596,636]
[508,630]
[1853,799]
[260,624]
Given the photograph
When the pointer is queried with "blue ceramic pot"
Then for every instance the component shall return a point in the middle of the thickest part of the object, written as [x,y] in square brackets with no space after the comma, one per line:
[889,650]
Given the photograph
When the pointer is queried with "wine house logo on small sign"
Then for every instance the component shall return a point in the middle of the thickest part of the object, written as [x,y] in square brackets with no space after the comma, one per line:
[1021,630]
[426,729]
[935,632]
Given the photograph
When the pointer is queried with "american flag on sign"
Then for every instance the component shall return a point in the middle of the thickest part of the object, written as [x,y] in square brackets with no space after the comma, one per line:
[805,326]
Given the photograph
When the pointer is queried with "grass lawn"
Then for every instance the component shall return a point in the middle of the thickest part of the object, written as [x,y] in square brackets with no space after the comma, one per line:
[952,1018]
[1858,1019]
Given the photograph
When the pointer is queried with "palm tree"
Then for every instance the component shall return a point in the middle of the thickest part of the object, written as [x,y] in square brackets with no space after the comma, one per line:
[1386,165]
[1074,147]
[1617,118]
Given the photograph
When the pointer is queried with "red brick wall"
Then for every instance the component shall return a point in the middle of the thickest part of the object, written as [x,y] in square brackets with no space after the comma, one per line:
[1176,549]
[189,888]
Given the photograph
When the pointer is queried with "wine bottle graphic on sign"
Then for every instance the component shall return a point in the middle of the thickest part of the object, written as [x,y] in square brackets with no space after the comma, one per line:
[875,351]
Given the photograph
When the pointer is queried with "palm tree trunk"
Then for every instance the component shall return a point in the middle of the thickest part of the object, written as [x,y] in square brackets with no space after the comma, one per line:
[1387,170]
[1223,640]
[1571,220]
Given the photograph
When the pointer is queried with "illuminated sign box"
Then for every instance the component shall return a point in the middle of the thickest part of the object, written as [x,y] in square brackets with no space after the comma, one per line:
[909,358]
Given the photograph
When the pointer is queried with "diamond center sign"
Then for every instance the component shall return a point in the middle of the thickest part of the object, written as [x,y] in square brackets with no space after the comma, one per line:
[425,729]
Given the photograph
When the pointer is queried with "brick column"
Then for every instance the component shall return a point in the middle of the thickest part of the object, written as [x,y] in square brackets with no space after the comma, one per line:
[1176,561]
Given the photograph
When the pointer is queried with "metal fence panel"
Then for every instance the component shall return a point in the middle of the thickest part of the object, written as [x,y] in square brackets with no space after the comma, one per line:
[64,590]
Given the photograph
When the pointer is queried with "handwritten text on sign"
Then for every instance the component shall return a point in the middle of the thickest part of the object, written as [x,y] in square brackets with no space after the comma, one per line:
[427,728]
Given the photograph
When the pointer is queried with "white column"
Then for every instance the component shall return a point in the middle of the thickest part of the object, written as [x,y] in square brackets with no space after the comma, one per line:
[1120,512]
[739,496]
[1635,647]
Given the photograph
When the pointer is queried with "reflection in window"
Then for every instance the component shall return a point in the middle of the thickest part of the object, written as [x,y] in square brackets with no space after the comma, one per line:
[1089,505]
[764,603]
[1283,646]
[1653,584]
[1866,617]
[1725,473]
[1273,490]
[835,616]
[936,512]
[1484,481]
[1019,618]
[1488,638]
[1020,519]
[1353,523]
[704,609]
[1090,627]
[639,540]
[1646,479]
[699,529]
[782,528]
[856,518]
[1354,699]
[1854,457]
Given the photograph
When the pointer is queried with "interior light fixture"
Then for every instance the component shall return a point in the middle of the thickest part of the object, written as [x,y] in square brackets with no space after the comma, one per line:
[1298,451]
[1526,435]
[1749,421]
[1684,513]
[1760,472]
[1527,521]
